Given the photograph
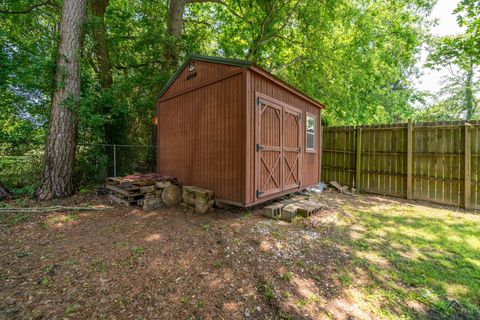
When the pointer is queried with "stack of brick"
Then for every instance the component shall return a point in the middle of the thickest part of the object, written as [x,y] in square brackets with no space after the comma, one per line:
[201,199]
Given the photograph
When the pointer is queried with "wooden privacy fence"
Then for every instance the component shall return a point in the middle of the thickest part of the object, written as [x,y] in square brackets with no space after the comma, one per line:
[435,161]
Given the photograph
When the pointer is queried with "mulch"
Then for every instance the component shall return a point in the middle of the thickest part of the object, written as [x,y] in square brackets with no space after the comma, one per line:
[168,263]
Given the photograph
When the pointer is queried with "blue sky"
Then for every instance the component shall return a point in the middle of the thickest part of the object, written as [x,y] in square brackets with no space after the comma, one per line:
[447,25]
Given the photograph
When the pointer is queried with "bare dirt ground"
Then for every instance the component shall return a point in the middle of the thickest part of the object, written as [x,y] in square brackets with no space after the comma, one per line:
[169,263]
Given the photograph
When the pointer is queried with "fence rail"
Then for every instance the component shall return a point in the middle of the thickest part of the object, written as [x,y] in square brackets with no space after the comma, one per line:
[435,161]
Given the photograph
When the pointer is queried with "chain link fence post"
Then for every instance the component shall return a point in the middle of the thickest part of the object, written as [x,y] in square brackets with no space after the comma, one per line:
[115,160]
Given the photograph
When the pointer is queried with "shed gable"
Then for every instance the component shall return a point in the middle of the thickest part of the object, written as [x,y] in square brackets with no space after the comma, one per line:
[194,73]
[198,70]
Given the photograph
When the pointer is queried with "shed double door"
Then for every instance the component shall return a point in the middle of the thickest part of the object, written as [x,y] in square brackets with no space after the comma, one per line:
[278,146]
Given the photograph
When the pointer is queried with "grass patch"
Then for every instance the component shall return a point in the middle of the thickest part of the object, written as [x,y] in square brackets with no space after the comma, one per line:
[286,276]
[302,303]
[13,219]
[99,265]
[136,251]
[45,281]
[416,253]
[266,288]
[217,264]
[62,218]
[70,309]
[206,227]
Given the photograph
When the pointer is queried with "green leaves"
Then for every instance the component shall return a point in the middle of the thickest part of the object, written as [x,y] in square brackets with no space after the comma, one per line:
[460,54]
[355,56]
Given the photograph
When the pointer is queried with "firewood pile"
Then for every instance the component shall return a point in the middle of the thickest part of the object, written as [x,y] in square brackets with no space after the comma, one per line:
[151,191]
[145,190]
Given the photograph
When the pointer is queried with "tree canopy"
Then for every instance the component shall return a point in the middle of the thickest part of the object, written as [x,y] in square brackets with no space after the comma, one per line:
[357,57]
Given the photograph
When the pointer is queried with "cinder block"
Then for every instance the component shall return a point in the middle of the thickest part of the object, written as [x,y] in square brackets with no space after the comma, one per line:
[288,212]
[273,211]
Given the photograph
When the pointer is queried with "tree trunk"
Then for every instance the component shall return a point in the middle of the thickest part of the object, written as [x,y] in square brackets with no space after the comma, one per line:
[57,176]
[469,102]
[176,9]
[113,128]
[175,17]
[4,194]
[100,42]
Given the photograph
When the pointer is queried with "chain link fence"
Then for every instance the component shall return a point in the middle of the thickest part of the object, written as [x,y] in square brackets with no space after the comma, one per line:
[21,165]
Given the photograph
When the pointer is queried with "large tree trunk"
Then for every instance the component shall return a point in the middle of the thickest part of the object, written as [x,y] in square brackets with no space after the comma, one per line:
[176,9]
[100,42]
[175,17]
[57,177]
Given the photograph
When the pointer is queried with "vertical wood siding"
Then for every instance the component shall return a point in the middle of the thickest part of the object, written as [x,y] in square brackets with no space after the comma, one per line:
[270,157]
[200,135]
[205,71]
[257,83]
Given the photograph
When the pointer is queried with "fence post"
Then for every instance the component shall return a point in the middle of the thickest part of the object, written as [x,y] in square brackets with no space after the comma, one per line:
[358,163]
[410,159]
[114,160]
[468,168]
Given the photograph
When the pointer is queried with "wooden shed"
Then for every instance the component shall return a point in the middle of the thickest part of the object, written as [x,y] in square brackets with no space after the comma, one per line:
[232,127]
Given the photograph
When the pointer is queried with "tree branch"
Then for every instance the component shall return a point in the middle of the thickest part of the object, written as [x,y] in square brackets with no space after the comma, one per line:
[28,9]
[223,3]
[138,65]
[259,38]
[275,33]
[197,22]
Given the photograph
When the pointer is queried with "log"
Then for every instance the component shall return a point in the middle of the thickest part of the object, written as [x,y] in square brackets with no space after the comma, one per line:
[339,187]
[50,209]
[172,195]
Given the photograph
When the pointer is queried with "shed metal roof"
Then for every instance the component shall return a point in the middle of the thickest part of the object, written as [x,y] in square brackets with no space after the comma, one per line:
[237,63]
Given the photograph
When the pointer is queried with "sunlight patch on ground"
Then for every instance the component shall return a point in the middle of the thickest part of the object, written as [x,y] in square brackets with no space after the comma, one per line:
[475,262]
[374,258]
[354,305]
[153,237]
[473,242]
[454,290]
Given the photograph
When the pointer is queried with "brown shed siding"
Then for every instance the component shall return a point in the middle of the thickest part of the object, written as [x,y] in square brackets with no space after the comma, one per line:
[257,83]
[205,145]
[207,132]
